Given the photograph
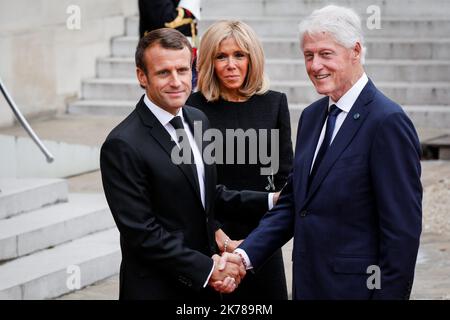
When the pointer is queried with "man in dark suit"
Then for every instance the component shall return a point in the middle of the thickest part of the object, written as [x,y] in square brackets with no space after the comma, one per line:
[353,199]
[163,210]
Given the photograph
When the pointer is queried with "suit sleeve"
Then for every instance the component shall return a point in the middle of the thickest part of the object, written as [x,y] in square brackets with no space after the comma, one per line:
[127,192]
[276,226]
[274,230]
[395,169]
[285,160]
[236,204]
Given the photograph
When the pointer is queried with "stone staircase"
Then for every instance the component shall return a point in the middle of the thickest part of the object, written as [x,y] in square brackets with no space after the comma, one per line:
[408,58]
[45,233]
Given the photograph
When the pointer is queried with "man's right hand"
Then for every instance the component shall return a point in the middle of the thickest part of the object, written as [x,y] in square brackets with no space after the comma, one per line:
[228,272]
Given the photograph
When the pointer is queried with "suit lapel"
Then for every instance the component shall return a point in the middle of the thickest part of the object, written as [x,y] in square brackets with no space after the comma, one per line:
[355,118]
[310,148]
[165,141]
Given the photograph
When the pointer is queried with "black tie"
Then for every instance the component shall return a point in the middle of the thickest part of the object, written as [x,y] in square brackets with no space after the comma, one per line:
[177,123]
[331,121]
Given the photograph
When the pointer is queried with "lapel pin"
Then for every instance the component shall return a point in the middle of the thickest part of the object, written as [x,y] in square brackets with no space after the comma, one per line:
[356,116]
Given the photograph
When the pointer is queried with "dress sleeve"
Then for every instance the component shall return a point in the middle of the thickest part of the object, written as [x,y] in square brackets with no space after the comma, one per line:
[285,147]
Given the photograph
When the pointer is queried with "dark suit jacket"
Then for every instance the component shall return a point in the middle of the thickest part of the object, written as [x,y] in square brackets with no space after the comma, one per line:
[167,237]
[153,14]
[363,207]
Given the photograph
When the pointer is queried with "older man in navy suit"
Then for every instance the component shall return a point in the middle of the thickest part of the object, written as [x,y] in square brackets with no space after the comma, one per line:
[353,200]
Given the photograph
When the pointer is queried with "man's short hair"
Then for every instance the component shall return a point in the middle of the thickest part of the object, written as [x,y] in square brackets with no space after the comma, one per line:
[343,24]
[166,38]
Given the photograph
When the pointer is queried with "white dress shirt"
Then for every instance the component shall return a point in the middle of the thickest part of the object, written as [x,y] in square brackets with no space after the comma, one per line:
[164,118]
[345,103]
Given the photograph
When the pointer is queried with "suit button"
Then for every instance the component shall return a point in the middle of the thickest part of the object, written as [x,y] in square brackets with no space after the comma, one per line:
[303,213]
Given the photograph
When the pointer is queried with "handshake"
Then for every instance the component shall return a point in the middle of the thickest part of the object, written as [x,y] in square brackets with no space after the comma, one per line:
[229,269]
[228,272]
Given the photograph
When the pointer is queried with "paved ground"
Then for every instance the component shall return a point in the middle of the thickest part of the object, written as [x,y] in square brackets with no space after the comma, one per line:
[77,129]
[433,266]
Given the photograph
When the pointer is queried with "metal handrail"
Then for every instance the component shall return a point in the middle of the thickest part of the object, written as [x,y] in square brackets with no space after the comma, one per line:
[25,124]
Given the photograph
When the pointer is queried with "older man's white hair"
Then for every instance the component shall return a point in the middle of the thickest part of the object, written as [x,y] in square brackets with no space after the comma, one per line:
[343,24]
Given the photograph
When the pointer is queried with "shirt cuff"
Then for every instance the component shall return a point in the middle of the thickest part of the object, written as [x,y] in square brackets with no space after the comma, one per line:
[209,276]
[270,199]
[243,255]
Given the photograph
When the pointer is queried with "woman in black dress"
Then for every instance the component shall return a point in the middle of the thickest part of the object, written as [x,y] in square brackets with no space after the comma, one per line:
[233,93]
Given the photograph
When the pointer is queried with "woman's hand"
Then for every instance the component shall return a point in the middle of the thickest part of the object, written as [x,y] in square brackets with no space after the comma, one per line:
[224,243]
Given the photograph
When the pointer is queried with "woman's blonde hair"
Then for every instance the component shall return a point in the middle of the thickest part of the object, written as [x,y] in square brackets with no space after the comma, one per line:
[255,82]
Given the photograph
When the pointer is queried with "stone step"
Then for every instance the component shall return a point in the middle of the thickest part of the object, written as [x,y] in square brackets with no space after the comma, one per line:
[414,8]
[46,274]
[53,225]
[422,116]
[418,93]
[294,69]
[389,26]
[377,48]
[102,107]
[380,70]
[427,116]
[404,93]
[288,26]
[124,46]
[22,195]
[111,89]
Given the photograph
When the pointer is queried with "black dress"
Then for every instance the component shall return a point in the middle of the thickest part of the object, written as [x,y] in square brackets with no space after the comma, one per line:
[268,111]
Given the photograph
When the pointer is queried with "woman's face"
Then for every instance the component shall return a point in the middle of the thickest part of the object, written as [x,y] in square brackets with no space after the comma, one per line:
[230,66]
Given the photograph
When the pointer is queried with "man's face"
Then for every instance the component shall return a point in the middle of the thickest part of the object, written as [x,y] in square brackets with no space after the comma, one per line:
[332,68]
[168,79]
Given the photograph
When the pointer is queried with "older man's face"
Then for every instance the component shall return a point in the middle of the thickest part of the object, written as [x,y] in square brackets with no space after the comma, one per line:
[332,68]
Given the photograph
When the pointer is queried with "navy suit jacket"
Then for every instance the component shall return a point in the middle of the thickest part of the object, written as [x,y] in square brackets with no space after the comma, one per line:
[362,208]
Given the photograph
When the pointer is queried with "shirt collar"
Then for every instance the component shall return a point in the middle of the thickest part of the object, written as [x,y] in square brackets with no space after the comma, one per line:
[346,102]
[162,115]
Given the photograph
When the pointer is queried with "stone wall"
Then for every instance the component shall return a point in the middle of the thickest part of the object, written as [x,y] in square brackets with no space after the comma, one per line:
[44,55]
